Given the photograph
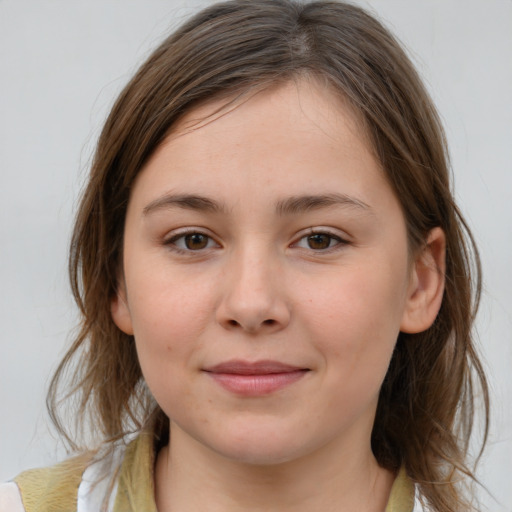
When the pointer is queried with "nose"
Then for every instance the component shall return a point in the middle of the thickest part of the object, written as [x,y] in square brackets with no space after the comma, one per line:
[254,295]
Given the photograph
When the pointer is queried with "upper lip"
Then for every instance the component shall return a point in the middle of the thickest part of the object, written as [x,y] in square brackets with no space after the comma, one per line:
[264,367]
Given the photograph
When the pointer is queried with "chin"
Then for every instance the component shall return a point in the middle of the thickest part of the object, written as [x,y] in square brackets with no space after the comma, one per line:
[258,454]
[260,447]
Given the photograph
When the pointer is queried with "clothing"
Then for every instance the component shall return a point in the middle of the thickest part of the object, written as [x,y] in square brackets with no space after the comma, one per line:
[120,481]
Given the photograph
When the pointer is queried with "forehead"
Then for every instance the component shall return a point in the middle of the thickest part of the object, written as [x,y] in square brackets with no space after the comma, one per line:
[298,136]
[305,98]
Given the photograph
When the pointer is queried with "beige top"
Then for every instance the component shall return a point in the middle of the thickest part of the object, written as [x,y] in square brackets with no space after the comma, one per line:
[121,482]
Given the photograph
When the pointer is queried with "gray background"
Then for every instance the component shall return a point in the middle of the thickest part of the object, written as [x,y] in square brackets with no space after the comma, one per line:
[61,64]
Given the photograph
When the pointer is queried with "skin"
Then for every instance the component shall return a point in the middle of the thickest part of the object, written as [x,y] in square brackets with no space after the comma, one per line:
[323,285]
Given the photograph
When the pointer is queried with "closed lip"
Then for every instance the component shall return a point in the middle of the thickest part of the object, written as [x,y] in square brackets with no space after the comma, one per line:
[263,367]
[255,379]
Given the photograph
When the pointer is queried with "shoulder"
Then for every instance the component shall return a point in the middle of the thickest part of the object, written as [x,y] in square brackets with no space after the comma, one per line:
[51,488]
[82,483]
[115,477]
[37,488]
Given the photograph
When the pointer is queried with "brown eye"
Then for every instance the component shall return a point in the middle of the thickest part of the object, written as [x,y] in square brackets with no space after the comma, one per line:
[190,242]
[319,241]
[196,241]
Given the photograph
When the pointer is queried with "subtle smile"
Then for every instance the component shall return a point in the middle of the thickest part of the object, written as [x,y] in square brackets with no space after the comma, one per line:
[255,379]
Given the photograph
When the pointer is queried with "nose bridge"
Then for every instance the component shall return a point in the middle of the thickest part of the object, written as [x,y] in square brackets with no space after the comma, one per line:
[254,293]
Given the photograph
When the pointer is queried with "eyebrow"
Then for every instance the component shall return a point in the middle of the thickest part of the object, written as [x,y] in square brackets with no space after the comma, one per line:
[185,201]
[289,206]
[301,204]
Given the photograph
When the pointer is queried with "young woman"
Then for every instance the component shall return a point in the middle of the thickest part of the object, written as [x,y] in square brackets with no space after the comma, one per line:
[276,285]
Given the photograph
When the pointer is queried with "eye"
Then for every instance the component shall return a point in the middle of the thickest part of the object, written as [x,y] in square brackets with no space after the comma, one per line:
[192,241]
[320,241]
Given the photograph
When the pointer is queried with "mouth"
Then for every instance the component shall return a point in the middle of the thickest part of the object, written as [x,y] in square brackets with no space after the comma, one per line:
[255,378]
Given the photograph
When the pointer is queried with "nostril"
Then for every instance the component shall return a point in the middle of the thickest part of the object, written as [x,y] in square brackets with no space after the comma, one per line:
[234,323]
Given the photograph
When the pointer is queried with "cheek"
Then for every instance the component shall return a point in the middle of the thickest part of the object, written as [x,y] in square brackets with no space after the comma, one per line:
[363,299]
[168,319]
[355,319]
[167,308]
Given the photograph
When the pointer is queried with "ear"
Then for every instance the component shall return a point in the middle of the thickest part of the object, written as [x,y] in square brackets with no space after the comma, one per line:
[426,285]
[120,311]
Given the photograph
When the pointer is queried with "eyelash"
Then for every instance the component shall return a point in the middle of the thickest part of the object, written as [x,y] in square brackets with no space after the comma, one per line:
[339,241]
[173,242]
[182,236]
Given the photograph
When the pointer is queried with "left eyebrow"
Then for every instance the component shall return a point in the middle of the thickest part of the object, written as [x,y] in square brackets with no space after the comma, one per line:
[186,202]
[301,204]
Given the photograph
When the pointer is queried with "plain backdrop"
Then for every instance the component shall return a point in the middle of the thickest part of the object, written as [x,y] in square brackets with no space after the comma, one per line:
[61,64]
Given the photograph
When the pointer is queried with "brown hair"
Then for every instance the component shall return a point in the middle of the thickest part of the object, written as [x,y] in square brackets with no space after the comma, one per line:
[425,410]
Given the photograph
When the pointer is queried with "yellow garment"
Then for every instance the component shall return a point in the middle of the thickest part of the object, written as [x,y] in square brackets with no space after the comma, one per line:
[401,498]
[135,490]
[55,489]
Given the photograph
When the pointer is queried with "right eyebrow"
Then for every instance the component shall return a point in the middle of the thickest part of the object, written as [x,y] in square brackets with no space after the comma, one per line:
[301,204]
[184,201]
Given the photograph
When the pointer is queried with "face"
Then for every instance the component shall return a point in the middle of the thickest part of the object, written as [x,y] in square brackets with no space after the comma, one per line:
[266,277]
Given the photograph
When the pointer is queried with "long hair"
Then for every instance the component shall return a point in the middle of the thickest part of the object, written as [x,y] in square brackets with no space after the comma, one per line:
[426,404]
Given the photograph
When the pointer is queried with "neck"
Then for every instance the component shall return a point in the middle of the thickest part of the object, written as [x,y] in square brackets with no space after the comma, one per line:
[190,477]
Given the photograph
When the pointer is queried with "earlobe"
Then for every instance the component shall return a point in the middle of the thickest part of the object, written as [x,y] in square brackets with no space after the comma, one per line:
[426,286]
[120,311]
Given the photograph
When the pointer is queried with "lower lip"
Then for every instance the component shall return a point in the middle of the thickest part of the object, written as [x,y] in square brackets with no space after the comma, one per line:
[256,385]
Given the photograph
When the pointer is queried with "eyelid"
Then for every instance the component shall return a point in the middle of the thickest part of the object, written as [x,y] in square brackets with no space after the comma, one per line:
[341,238]
[170,239]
